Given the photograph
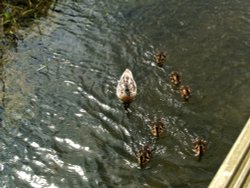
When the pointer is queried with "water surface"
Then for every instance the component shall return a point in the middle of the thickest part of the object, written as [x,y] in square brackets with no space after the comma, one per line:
[62,125]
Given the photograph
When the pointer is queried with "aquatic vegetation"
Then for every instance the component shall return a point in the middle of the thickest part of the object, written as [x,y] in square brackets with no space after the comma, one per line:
[14,14]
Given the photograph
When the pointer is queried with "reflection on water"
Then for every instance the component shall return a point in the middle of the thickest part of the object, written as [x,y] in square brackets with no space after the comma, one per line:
[62,125]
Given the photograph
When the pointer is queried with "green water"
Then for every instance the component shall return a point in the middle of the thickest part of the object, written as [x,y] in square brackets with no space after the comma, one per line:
[62,125]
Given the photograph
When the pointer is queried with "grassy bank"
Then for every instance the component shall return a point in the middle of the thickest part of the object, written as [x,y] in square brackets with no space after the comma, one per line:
[19,13]
[15,14]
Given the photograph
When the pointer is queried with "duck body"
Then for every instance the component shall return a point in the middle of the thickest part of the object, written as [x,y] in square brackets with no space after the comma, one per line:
[126,89]
[185,92]
[175,78]
[160,58]
[199,148]
[144,155]
[157,128]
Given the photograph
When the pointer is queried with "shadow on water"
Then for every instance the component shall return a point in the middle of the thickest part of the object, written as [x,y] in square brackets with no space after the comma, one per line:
[62,125]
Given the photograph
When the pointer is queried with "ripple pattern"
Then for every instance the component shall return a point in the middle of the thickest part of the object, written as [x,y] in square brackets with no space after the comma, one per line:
[62,125]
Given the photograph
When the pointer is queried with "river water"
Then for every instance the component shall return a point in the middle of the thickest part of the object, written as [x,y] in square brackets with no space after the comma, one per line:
[62,125]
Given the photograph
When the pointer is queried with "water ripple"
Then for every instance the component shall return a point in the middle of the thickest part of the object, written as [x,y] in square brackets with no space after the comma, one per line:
[62,124]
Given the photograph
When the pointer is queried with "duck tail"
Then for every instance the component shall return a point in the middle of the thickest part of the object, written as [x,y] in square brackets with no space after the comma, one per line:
[200,153]
[126,106]
[199,158]
[157,132]
[141,161]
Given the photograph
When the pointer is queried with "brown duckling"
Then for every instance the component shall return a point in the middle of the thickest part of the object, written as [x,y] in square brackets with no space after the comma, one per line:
[160,58]
[144,155]
[199,147]
[157,128]
[185,92]
[175,78]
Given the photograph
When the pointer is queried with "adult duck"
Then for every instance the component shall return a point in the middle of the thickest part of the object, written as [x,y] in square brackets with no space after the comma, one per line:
[126,89]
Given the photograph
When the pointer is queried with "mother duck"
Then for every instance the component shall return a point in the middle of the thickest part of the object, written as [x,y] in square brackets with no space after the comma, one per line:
[126,89]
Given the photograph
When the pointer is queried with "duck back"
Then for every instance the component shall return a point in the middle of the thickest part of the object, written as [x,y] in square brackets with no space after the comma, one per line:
[126,89]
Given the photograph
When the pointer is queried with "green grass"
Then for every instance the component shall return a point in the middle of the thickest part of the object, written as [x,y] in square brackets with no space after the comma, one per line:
[19,13]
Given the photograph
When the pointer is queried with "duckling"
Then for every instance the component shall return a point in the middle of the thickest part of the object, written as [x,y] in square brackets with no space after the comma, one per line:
[185,92]
[144,155]
[126,89]
[157,128]
[160,58]
[199,147]
[175,78]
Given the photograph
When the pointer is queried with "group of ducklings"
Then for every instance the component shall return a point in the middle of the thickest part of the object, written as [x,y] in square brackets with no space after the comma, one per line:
[185,91]
[157,129]
[175,77]
[126,92]
[145,153]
